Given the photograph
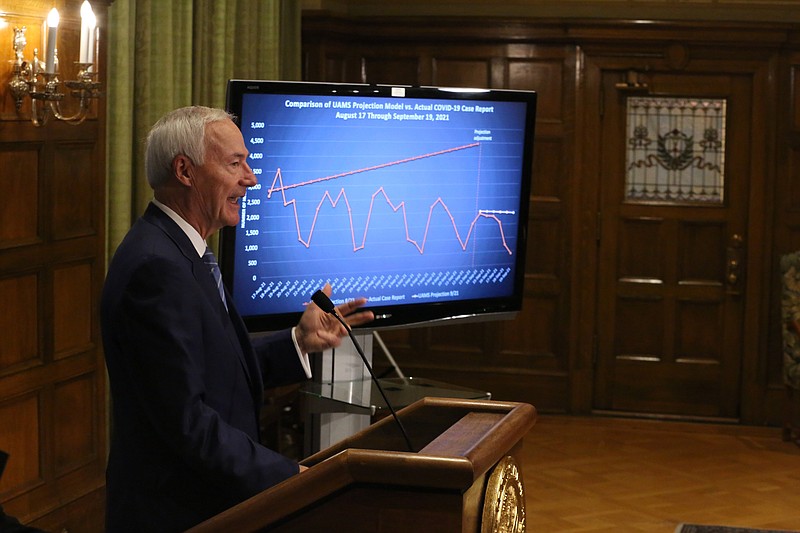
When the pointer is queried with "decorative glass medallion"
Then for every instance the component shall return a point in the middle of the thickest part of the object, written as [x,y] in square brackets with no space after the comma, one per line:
[676,150]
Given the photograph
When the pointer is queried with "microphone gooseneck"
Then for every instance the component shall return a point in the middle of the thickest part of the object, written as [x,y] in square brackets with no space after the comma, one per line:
[325,303]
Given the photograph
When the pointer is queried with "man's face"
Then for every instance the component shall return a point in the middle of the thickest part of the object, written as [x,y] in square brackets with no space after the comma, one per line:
[222,180]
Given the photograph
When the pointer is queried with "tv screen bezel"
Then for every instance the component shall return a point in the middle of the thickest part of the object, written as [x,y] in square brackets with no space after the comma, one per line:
[407,315]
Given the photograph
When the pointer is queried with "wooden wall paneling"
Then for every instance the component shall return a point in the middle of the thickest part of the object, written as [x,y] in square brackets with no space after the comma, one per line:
[326,58]
[75,423]
[341,67]
[462,70]
[543,331]
[547,76]
[19,203]
[766,119]
[72,309]
[787,214]
[532,347]
[551,345]
[19,323]
[786,223]
[794,102]
[20,418]
[791,184]
[390,70]
[52,264]
[585,110]
[546,229]
[73,187]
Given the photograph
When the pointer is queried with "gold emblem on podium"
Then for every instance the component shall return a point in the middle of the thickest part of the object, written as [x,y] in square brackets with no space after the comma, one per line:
[504,500]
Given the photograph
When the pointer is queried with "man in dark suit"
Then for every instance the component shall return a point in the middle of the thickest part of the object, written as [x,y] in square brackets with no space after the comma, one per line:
[186,378]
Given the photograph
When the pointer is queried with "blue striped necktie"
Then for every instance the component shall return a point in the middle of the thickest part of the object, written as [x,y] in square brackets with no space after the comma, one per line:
[211,262]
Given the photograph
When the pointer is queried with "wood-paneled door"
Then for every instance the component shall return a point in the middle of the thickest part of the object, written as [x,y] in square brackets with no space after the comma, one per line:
[671,279]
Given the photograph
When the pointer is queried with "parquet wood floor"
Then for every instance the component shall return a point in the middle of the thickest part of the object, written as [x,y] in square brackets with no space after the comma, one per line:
[603,474]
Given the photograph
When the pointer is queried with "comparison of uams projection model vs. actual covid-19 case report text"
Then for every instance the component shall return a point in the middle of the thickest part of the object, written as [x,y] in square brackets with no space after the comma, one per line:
[398,200]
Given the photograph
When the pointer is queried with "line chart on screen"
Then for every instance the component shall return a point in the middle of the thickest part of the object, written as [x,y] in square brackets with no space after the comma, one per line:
[278,186]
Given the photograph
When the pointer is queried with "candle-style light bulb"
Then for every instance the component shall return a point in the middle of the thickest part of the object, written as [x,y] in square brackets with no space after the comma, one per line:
[52,31]
[88,24]
[86,8]
[53,18]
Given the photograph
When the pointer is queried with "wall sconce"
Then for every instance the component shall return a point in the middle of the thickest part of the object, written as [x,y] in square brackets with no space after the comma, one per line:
[39,79]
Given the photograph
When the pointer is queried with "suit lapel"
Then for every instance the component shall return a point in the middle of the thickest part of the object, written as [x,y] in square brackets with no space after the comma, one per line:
[239,340]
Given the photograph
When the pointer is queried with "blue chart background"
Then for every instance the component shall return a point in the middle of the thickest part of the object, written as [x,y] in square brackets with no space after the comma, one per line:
[374,258]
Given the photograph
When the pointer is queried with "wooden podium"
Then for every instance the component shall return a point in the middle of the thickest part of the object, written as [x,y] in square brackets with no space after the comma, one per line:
[462,478]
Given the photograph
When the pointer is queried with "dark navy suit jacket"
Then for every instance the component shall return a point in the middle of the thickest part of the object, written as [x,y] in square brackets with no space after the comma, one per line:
[186,384]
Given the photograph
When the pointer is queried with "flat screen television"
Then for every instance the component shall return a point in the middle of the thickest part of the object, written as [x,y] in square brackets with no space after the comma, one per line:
[413,197]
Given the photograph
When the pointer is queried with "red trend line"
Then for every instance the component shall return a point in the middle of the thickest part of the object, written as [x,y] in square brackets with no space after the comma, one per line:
[366,169]
[401,206]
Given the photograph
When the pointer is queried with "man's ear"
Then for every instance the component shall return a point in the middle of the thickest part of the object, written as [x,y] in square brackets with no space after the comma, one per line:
[183,170]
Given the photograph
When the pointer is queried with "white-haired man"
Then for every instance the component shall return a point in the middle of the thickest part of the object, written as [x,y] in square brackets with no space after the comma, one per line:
[186,378]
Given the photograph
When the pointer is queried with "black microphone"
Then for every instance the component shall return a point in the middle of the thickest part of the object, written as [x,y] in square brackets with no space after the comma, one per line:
[325,303]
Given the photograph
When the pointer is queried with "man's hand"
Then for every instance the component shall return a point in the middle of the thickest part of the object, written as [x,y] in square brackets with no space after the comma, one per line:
[318,331]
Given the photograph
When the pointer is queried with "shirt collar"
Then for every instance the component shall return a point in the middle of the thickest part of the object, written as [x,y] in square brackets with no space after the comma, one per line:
[197,241]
